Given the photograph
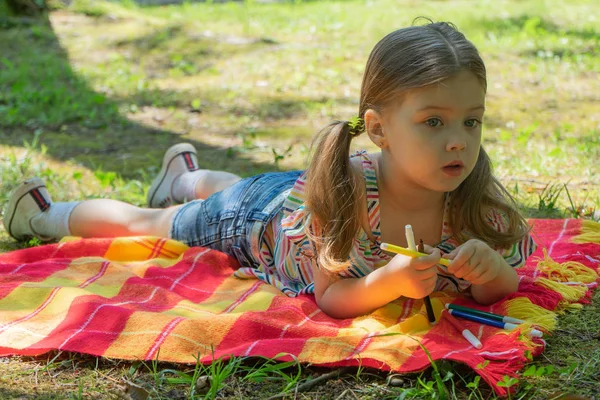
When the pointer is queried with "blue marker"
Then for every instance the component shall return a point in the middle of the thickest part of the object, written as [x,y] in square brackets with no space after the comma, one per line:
[486,321]
[485,314]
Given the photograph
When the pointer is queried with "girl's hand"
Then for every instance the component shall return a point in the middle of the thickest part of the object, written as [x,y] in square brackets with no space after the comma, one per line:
[475,261]
[417,276]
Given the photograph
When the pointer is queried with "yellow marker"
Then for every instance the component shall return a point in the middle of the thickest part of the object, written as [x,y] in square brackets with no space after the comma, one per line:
[410,253]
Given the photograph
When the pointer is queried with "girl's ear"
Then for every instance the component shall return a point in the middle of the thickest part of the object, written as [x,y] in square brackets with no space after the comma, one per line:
[374,127]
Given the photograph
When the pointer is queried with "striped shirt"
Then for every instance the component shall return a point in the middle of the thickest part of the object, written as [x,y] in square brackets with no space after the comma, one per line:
[287,256]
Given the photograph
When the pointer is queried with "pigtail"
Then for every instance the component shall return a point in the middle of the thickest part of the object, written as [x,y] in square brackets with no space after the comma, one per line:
[331,197]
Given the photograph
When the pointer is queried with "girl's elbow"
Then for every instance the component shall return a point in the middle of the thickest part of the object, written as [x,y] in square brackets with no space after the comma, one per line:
[331,308]
[485,296]
[486,300]
[339,304]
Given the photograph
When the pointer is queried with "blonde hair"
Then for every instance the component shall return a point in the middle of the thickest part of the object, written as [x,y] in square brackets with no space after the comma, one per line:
[405,59]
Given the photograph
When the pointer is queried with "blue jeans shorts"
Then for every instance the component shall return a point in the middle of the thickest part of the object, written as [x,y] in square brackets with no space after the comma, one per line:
[233,220]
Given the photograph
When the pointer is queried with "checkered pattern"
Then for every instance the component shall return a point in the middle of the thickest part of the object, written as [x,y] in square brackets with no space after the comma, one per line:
[129,298]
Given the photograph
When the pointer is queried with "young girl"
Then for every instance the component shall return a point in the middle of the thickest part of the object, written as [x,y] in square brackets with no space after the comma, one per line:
[319,231]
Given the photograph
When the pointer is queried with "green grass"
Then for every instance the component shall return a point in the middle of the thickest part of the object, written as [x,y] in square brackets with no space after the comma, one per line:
[91,101]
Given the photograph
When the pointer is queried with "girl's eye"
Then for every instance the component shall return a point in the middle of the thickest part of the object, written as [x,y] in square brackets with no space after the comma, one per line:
[433,122]
[472,123]
[436,122]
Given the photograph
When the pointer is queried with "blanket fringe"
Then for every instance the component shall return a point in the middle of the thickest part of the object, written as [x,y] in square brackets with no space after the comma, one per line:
[590,233]
[523,308]
[566,306]
[502,362]
[569,271]
[569,293]
[570,279]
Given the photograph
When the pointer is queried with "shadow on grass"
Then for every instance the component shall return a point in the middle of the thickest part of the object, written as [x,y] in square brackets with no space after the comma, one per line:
[24,395]
[40,91]
[265,108]
[205,44]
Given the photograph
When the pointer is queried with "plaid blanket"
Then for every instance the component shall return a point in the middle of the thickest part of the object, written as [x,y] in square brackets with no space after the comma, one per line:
[152,298]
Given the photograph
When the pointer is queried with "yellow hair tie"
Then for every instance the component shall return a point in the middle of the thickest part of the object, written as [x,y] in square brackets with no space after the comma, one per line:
[357,126]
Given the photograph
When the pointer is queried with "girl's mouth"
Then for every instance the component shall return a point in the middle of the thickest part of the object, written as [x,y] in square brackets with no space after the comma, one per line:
[455,168]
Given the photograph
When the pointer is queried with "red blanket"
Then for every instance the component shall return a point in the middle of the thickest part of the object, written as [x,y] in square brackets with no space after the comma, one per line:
[131,297]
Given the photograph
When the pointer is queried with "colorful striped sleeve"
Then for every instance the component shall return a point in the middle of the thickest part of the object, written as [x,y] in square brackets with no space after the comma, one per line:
[517,254]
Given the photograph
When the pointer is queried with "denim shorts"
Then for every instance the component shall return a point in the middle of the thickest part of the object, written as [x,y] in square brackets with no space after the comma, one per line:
[233,220]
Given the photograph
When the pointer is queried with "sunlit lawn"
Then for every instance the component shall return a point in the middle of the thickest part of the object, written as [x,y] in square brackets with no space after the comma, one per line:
[91,104]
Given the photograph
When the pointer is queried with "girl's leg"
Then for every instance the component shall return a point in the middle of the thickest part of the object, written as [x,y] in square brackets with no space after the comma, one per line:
[209,182]
[112,218]
[181,180]
[31,212]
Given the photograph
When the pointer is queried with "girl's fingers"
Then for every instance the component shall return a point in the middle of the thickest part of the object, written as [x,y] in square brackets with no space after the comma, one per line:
[452,254]
[458,262]
[476,261]
[465,270]
[466,255]
[428,286]
[427,274]
[430,279]
[428,249]
[487,276]
[475,274]
[427,262]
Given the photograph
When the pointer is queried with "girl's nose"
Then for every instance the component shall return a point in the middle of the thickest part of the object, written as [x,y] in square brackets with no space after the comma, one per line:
[456,145]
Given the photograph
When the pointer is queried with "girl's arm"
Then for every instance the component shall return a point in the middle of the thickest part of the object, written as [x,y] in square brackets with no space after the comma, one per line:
[351,297]
[513,257]
[491,277]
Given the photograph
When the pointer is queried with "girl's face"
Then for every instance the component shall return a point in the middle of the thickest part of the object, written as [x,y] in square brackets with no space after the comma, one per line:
[433,137]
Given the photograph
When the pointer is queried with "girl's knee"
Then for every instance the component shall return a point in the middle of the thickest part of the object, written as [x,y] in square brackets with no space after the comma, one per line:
[215,181]
[162,220]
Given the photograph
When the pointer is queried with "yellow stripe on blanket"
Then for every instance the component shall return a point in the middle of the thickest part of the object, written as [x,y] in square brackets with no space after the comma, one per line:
[145,248]
[47,310]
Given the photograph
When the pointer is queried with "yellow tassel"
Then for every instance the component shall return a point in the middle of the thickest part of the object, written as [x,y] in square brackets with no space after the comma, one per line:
[523,336]
[571,293]
[570,271]
[566,306]
[523,308]
[590,233]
